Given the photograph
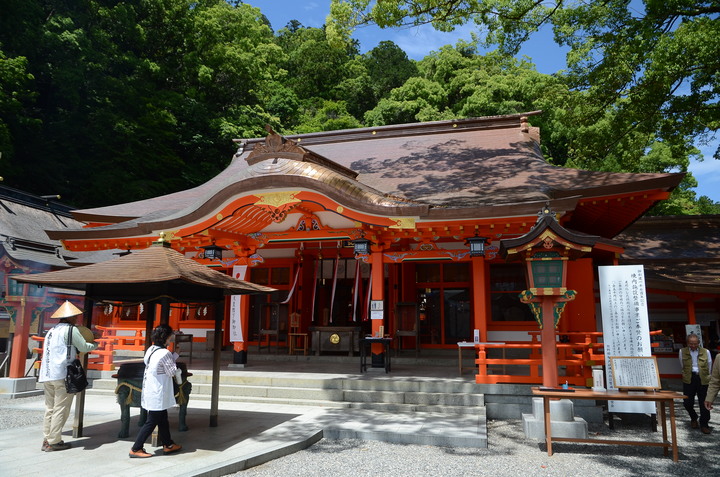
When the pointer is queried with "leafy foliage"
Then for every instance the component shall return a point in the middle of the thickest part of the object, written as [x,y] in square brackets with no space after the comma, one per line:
[106,102]
[641,74]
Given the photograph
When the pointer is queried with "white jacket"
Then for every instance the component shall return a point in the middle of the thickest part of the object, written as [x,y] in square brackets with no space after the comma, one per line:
[157,390]
[53,365]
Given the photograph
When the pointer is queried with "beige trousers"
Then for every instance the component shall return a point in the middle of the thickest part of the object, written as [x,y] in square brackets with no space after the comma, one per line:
[57,410]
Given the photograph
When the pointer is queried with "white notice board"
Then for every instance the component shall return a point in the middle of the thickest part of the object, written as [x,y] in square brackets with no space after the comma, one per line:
[626,331]
[635,372]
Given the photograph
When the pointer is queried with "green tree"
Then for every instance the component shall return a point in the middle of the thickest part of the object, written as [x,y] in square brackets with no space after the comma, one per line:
[326,115]
[389,67]
[357,89]
[138,99]
[15,99]
[641,75]
[313,66]
[419,99]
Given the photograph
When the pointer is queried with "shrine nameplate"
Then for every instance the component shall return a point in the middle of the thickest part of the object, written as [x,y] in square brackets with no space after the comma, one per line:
[635,372]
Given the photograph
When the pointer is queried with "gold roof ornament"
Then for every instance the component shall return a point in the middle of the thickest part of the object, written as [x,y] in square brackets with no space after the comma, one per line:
[66,310]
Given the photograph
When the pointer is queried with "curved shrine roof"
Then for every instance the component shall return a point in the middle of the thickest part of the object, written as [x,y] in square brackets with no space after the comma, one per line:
[475,168]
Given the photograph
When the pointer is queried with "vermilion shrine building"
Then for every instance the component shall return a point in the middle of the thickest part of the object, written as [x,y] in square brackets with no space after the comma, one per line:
[292,209]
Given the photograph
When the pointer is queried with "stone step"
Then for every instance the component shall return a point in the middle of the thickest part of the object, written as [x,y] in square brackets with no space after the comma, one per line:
[376,406]
[384,394]
[281,392]
[392,402]
[367,384]
[417,398]
[276,401]
[397,408]
[316,394]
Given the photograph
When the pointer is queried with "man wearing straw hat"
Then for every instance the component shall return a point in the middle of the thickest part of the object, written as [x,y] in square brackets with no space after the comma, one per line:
[53,369]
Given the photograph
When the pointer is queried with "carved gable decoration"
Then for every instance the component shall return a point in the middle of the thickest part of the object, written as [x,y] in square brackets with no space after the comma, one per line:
[309,223]
[278,204]
[277,146]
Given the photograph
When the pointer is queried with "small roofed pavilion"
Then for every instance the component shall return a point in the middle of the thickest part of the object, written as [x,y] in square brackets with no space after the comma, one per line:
[157,275]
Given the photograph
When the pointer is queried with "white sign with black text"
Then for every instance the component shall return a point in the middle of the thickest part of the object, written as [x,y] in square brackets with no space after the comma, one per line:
[626,331]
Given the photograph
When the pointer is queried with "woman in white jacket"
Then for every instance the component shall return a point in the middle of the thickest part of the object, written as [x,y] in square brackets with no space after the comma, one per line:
[157,393]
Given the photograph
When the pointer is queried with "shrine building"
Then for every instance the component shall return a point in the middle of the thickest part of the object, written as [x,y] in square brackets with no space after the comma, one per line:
[405,231]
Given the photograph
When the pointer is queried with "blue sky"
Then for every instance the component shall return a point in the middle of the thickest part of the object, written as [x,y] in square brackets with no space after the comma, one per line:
[418,42]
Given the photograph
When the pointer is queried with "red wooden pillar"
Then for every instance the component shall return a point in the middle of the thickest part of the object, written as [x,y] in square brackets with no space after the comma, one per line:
[378,279]
[479,294]
[20,340]
[579,314]
[690,307]
[549,347]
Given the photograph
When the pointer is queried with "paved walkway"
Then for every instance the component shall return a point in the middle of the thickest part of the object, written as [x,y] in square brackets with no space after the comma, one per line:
[247,434]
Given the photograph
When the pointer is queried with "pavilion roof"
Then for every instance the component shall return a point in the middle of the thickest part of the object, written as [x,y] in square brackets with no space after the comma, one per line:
[146,275]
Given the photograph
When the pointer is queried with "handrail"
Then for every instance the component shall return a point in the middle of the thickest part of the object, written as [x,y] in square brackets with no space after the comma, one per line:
[578,357]
[110,341]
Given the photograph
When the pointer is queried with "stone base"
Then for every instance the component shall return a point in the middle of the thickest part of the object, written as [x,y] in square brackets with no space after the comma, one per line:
[562,421]
[237,365]
[12,388]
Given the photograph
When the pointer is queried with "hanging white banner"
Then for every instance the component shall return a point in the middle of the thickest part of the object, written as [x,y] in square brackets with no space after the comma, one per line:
[626,330]
[694,330]
[334,287]
[236,335]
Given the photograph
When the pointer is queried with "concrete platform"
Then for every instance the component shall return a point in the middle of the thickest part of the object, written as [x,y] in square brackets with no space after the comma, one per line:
[247,434]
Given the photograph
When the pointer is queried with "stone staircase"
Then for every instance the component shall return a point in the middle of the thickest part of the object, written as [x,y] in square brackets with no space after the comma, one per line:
[427,411]
[379,394]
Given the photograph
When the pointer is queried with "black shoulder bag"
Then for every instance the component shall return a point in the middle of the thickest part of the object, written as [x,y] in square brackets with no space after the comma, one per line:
[76,380]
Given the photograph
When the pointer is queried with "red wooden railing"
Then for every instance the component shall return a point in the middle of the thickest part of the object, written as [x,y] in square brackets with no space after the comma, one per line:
[578,355]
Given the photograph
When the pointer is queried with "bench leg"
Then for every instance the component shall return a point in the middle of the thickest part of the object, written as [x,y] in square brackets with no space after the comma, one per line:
[182,425]
[124,421]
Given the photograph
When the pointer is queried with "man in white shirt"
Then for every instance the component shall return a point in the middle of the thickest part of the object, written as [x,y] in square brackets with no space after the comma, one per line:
[696,365]
[53,369]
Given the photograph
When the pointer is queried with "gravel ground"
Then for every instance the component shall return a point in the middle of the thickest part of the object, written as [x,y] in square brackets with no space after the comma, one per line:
[508,454]
[20,417]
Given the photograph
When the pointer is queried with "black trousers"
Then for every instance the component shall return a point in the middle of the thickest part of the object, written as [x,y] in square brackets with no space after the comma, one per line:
[159,419]
[696,388]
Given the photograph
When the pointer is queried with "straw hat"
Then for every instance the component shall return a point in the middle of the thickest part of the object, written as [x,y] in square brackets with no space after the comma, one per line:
[86,333]
[66,311]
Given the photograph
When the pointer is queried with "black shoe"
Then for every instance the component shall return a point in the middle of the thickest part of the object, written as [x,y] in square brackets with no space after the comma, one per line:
[57,447]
